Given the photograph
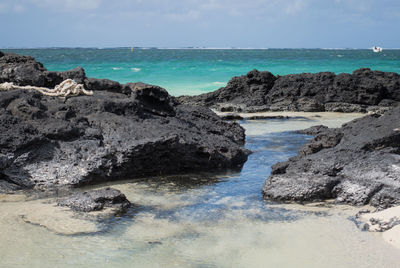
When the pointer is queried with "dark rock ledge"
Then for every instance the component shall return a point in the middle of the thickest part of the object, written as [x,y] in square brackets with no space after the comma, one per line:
[96,200]
[362,91]
[121,132]
[356,164]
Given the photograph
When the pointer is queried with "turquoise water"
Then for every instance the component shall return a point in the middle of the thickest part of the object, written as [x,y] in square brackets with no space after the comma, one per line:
[195,71]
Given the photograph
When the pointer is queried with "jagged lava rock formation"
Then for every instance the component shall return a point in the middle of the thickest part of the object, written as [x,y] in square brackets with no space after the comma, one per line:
[356,164]
[121,132]
[361,91]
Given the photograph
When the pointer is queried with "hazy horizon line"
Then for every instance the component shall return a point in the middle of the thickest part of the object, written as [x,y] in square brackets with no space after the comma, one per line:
[190,47]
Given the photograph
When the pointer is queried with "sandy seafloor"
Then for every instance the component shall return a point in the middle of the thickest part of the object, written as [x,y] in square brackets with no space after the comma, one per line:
[196,221]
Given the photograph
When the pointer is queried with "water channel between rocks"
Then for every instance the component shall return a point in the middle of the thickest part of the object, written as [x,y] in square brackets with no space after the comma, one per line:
[195,221]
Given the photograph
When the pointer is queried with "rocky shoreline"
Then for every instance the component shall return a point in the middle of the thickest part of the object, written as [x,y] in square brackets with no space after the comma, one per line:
[121,132]
[136,130]
[362,91]
[356,164]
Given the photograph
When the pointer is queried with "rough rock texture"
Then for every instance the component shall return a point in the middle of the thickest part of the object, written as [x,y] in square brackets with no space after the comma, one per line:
[314,130]
[362,91]
[249,90]
[356,164]
[96,200]
[121,132]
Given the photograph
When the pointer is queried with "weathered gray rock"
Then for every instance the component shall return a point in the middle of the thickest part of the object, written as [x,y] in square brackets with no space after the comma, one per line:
[357,164]
[137,132]
[96,200]
[363,90]
[314,130]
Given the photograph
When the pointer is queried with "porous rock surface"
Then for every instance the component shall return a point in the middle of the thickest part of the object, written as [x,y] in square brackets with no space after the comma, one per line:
[121,132]
[356,164]
[362,91]
[96,200]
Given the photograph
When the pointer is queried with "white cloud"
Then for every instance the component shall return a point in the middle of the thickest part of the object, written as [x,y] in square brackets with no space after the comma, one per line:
[3,7]
[194,9]
[355,5]
[295,6]
[18,8]
[12,7]
[190,15]
[69,5]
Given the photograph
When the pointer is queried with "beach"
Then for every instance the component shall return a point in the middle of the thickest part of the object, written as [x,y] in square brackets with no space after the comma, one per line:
[223,222]
[204,191]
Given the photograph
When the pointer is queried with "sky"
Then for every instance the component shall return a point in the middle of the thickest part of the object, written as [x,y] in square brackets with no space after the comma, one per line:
[200,23]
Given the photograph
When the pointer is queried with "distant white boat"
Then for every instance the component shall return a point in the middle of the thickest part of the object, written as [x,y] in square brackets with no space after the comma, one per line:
[376,49]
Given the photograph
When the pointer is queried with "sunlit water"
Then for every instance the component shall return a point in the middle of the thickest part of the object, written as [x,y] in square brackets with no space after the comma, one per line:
[195,71]
[198,222]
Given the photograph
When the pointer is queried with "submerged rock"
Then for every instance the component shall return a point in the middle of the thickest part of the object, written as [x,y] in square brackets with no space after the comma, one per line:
[121,132]
[96,200]
[61,220]
[357,164]
[362,91]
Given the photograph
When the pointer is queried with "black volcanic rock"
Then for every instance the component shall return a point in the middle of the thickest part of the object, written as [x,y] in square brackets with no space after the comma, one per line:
[22,70]
[104,84]
[77,74]
[136,132]
[244,91]
[357,164]
[363,90]
[96,200]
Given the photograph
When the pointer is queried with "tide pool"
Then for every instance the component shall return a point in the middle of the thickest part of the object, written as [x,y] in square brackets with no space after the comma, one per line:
[195,221]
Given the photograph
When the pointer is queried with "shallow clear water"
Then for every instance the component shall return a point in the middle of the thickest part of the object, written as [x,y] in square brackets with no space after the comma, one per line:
[198,222]
[195,71]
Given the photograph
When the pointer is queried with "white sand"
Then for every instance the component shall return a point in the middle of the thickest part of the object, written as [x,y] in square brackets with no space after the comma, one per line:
[298,121]
[385,216]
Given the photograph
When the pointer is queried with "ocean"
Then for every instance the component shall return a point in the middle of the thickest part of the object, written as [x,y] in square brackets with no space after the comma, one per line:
[196,71]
